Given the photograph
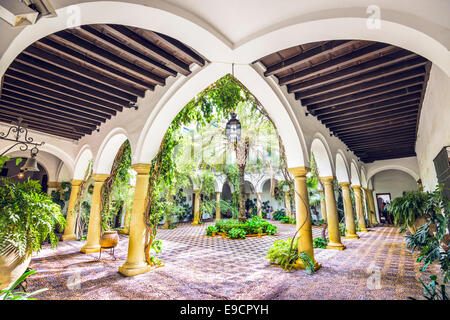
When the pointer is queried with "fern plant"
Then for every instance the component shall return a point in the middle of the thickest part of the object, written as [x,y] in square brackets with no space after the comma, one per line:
[12,294]
[407,208]
[285,254]
[27,217]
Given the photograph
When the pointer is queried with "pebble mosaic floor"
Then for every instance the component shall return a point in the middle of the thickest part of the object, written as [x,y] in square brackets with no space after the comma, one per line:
[377,266]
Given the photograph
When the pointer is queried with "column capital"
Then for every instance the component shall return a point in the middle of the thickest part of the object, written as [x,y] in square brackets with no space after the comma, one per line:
[328,179]
[100,177]
[76,183]
[356,187]
[196,190]
[218,192]
[344,184]
[54,184]
[141,168]
[299,171]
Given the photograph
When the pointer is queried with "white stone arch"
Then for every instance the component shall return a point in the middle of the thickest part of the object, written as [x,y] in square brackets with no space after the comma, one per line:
[82,162]
[322,155]
[260,185]
[397,28]
[158,16]
[108,149]
[354,174]
[174,100]
[53,150]
[342,173]
[407,170]
[364,180]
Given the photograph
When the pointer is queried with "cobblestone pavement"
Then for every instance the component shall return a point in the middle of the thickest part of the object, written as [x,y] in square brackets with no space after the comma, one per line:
[377,266]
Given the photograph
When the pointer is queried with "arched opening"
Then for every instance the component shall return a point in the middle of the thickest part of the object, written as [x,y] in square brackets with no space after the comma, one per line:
[15,172]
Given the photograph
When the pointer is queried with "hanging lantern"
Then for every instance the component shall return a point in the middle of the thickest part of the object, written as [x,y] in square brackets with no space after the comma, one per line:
[21,174]
[233,129]
[31,164]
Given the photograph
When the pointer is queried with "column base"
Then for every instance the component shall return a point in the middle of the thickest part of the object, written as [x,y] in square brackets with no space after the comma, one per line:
[336,246]
[300,265]
[351,236]
[68,237]
[124,231]
[90,249]
[195,223]
[364,230]
[132,269]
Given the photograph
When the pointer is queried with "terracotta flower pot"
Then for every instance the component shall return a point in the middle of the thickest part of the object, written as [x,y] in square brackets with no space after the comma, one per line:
[419,222]
[12,266]
[109,239]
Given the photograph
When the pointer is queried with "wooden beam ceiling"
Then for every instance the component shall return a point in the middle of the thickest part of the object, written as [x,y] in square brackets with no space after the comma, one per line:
[69,83]
[368,94]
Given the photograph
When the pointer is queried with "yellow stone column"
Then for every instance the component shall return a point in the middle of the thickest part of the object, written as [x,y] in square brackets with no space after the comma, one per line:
[373,214]
[196,207]
[259,204]
[127,218]
[95,219]
[71,218]
[303,214]
[218,214]
[136,263]
[323,207]
[359,209]
[348,210]
[332,215]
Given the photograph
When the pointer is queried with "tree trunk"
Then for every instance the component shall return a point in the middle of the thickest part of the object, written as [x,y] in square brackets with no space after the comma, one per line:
[242,217]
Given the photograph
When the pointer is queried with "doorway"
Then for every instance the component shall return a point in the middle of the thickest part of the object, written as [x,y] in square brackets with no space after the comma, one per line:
[383,198]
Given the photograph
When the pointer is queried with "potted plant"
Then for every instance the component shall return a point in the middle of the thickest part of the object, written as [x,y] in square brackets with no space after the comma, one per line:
[408,210]
[211,231]
[28,217]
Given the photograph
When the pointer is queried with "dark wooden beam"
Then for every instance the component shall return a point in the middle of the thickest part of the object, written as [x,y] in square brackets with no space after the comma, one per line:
[34,81]
[57,98]
[361,123]
[387,157]
[371,117]
[364,94]
[392,130]
[42,128]
[86,48]
[305,56]
[372,50]
[365,86]
[31,117]
[37,53]
[377,137]
[175,45]
[367,146]
[115,47]
[124,34]
[47,107]
[99,67]
[415,65]
[71,80]
[407,119]
[367,110]
[366,101]
[361,68]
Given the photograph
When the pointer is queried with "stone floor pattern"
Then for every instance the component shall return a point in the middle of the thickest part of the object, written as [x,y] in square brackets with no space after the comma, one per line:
[201,267]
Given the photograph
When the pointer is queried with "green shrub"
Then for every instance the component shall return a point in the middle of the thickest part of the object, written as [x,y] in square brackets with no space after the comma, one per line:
[278,214]
[282,254]
[237,233]
[319,243]
[225,225]
[271,229]
[285,219]
[210,230]
[407,208]
[28,217]
[342,229]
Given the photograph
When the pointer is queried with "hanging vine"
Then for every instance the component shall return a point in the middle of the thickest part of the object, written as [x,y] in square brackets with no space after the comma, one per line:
[114,192]
[217,100]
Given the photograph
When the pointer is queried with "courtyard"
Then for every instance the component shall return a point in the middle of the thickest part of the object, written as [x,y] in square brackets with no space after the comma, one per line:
[198,267]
